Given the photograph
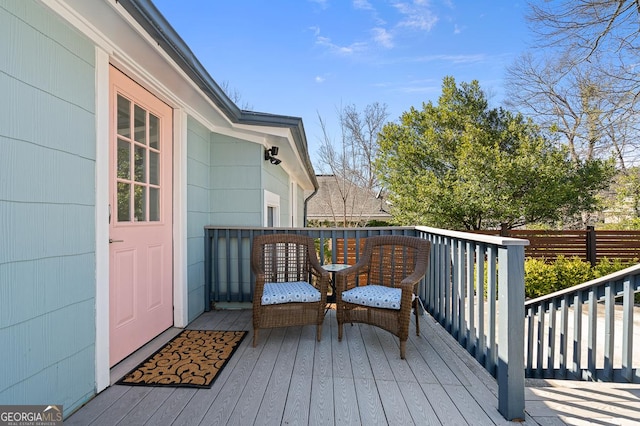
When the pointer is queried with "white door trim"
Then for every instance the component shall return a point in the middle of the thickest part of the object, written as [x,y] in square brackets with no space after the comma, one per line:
[102,220]
[180,273]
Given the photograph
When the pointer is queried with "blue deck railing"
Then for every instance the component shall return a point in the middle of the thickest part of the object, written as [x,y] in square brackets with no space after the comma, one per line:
[471,277]
[586,332]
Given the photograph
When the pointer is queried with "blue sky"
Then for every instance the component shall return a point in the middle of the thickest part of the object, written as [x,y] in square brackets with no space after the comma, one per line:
[308,57]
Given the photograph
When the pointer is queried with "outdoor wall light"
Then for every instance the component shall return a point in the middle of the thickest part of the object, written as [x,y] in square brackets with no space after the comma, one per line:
[270,154]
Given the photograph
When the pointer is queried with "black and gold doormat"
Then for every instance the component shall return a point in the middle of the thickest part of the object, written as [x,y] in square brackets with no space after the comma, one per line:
[193,358]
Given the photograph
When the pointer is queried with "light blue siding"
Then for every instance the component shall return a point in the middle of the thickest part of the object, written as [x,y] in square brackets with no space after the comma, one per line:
[236,186]
[224,187]
[47,209]
[198,211]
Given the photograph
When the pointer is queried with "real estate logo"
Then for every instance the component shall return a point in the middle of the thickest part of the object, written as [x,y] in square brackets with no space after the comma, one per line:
[30,415]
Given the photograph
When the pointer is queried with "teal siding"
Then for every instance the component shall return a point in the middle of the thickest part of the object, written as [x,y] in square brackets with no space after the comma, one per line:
[236,195]
[47,209]
[198,211]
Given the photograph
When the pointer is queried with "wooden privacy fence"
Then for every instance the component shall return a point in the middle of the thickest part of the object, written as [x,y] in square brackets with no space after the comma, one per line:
[591,245]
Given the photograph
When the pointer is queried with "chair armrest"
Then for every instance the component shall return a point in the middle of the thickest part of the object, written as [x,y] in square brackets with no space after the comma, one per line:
[346,278]
[414,278]
[323,281]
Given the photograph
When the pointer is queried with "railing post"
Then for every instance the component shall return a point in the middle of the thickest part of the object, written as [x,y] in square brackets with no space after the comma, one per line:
[510,372]
[591,245]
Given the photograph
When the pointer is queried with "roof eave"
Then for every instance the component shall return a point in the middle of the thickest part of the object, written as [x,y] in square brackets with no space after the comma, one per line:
[150,18]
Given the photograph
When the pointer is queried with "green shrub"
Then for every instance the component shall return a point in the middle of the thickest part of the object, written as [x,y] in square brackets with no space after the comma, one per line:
[572,271]
[542,277]
[608,266]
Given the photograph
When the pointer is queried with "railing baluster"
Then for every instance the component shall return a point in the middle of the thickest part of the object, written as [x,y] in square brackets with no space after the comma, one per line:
[470,299]
[577,334]
[540,339]
[627,329]
[240,269]
[491,358]
[480,289]
[564,329]
[530,322]
[551,338]
[432,279]
[609,331]
[216,264]
[447,285]
[227,252]
[455,286]
[207,270]
[591,335]
[435,278]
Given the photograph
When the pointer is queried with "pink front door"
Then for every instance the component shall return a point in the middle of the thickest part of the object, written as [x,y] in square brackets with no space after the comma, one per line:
[140,219]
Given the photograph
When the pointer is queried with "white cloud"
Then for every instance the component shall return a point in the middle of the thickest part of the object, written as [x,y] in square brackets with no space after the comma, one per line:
[322,3]
[417,15]
[339,50]
[457,29]
[383,37]
[362,4]
[451,59]
[319,79]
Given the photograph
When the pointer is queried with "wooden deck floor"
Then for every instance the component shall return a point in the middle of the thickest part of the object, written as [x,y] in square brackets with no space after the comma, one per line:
[292,379]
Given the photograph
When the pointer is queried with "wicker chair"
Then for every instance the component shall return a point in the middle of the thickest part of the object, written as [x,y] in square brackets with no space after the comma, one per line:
[380,288]
[291,286]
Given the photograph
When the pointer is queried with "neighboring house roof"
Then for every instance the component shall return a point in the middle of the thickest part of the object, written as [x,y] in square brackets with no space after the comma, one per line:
[361,204]
[148,16]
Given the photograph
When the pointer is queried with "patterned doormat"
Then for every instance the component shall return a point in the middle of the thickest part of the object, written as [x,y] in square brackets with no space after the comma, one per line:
[193,358]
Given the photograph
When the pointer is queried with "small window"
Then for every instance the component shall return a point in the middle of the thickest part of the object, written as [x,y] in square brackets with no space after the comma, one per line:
[271,209]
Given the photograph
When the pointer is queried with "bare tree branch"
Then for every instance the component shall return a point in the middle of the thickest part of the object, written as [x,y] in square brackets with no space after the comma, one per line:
[350,159]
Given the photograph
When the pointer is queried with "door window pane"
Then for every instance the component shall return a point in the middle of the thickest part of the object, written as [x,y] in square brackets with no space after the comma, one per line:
[140,124]
[124,159]
[154,204]
[137,165]
[124,117]
[154,131]
[124,202]
[140,203]
[154,168]
[140,162]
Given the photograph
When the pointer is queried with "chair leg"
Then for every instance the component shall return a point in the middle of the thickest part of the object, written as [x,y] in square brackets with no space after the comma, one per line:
[319,332]
[403,348]
[339,332]
[255,337]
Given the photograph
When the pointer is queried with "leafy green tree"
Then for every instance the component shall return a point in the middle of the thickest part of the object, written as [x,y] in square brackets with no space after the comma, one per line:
[460,164]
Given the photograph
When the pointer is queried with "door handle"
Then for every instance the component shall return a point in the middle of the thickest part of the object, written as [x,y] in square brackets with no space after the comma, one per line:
[115,241]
